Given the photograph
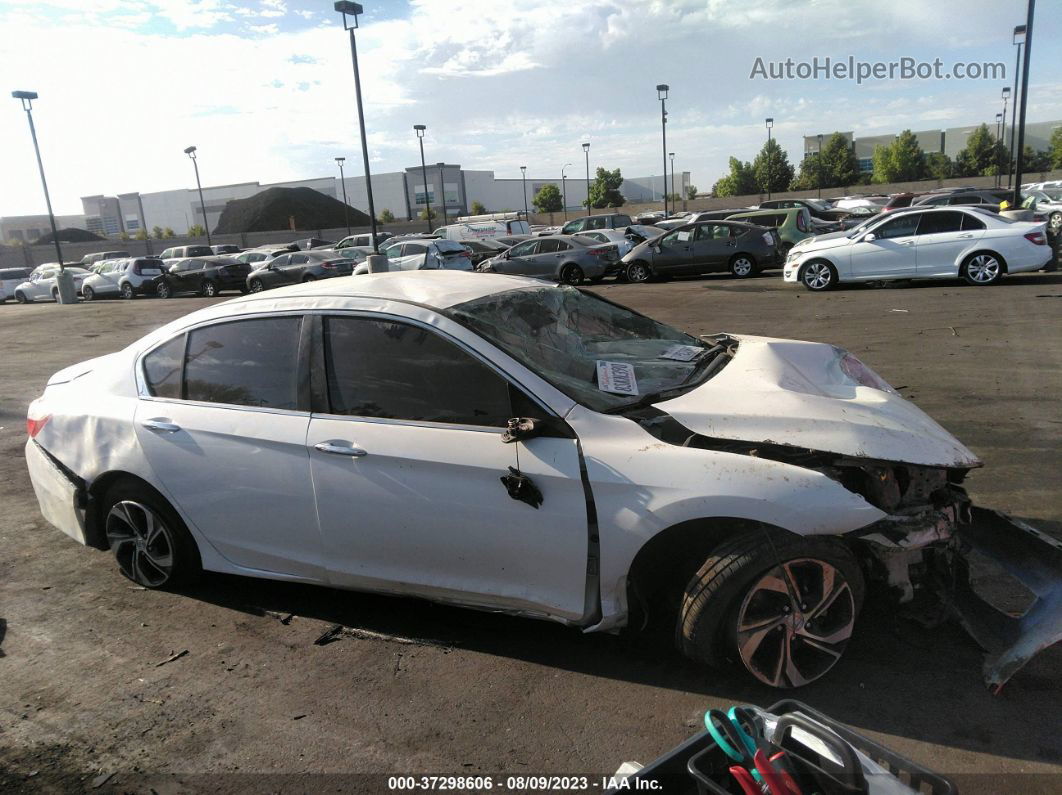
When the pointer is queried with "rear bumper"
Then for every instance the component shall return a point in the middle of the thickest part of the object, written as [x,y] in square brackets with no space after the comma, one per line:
[61,496]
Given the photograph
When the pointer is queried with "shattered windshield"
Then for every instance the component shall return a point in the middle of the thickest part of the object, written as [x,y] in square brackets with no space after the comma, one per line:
[600,354]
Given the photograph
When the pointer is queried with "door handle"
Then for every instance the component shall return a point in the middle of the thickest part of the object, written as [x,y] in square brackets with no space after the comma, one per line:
[160,425]
[340,449]
[906,242]
[968,234]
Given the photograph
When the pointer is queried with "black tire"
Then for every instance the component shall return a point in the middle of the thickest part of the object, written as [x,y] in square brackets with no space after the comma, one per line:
[982,268]
[571,274]
[742,266]
[163,290]
[127,292]
[88,293]
[638,272]
[818,276]
[55,294]
[21,297]
[728,589]
[209,289]
[143,532]
[243,289]
[256,285]
[309,277]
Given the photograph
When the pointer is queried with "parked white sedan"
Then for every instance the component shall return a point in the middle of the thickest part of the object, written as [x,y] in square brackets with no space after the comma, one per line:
[511,445]
[976,245]
[41,285]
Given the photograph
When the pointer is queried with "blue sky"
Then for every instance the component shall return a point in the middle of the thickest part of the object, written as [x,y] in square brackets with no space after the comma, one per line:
[264,87]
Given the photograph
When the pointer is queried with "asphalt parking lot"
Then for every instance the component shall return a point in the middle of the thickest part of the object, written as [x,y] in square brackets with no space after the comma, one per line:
[222,688]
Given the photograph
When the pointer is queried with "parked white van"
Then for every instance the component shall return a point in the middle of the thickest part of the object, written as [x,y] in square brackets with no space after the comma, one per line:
[477,227]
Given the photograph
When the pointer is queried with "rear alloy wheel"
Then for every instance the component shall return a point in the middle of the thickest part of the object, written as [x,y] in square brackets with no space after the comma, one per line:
[150,543]
[638,272]
[88,293]
[785,610]
[209,289]
[571,274]
[819,276]
[742,266]
[256,285]
[163,290]
[1054,223]
[982,269]
[127,291]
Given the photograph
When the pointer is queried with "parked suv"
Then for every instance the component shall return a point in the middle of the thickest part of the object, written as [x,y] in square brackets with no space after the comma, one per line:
[364,239]
[989,199]
[302,266]
[604,221]
[89,260]
[127,278]
[207,277]
[10,278]
[180,252]
[710,247]
[792,225]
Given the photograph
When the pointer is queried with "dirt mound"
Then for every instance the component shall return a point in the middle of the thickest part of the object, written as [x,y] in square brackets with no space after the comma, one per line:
[69,236]
[273,208]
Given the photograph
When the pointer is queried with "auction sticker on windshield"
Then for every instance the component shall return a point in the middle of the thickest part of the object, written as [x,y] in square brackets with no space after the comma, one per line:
[682,353]
[616,377]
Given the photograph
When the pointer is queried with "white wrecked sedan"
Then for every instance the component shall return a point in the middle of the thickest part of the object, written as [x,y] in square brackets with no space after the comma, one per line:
[501,443]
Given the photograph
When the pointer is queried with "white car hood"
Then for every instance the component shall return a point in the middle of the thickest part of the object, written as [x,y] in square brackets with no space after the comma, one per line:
[795,393]
[820,242]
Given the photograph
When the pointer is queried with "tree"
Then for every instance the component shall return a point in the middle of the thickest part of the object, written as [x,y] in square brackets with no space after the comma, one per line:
[427,214]
[691,192]
[981,155]
[809,176]
[141,234]
[1034,162]
[156,232]
[839,165]
[123,235]
[772,168]
[900,161]
[938,165]
[167,233]
[741,180]
[1055,148]
[196,230]
[548,200]
[478,208]
[387,217]
[604,190]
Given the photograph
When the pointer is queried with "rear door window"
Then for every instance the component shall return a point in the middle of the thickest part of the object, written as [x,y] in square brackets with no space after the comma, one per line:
[245,363]
[378,368]
[549,246]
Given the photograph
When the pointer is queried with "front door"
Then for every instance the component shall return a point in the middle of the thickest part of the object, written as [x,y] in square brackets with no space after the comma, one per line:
[890,255]
[674,252]
[520,259]
[228,441]
[407,461]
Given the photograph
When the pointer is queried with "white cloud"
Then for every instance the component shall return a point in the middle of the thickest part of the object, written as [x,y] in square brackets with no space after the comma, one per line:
[268,30]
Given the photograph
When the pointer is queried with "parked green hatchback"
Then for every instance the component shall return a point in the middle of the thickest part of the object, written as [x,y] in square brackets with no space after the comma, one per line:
[792,225]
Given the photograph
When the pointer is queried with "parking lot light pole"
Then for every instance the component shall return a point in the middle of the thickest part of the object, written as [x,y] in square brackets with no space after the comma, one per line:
[190,151]
[661,94]
[523,183]
[419,129]
[770,124]
[674,201]
[1003,132]
[442,192]
[343,182]
[1019,154]
[347,8]
[564,190]
[586,151]
[1019,39]
[999,171]
[818,165]
[27,97]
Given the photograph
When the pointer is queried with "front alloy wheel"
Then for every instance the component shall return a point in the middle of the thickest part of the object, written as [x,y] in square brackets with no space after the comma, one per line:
[256,286]
[981,269]
[163,290]
[818,276]
[209,289]
[638,272]
[571,274]
[127,291]
[794,623]
[87,293]
[141,542]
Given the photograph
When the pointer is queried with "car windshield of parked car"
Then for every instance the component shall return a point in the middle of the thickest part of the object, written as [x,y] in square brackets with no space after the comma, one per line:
[199,251]
[568,336]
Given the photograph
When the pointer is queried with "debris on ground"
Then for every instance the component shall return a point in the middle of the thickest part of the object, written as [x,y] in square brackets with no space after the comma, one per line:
[172,657]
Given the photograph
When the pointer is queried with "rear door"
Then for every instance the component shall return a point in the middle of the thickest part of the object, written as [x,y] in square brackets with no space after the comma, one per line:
[223,425]
[940,240]
[292,271]
[407,459]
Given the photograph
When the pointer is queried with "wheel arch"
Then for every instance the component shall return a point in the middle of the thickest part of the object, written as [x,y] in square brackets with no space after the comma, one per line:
[967,255]
[95,535]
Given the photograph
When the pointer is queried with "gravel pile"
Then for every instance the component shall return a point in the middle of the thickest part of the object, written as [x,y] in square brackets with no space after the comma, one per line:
[68,236]
[272,209]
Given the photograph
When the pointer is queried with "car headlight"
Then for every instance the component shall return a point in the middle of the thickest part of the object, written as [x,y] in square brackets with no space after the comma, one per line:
[852,367]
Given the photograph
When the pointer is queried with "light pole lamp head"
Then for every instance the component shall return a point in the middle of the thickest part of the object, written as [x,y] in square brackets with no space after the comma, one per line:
[349,9]
[586,147]
[420,128]
[26,97]
[1006,92]
[671,155]
[770,123]
[341,161]
[441,165]
[190,151]
[661,91]
[523,170]
[999,116]
[1019,34]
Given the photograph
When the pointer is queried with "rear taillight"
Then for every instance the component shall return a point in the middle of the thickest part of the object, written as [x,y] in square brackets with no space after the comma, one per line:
[34,424]
[1036,238]
[328,266]
[598,252]
[802,223]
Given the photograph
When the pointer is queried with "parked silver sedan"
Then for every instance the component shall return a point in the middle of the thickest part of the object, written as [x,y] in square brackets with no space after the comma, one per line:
[42,285]
[569,259]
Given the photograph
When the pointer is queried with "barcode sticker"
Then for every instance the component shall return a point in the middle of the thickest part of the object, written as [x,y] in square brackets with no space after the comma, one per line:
[616,377]
[682,353]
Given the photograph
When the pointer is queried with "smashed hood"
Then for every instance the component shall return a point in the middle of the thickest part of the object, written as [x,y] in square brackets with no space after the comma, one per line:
[796,393]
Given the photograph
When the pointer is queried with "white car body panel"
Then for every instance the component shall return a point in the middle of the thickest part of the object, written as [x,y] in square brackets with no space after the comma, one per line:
[39,287]
[432,518]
